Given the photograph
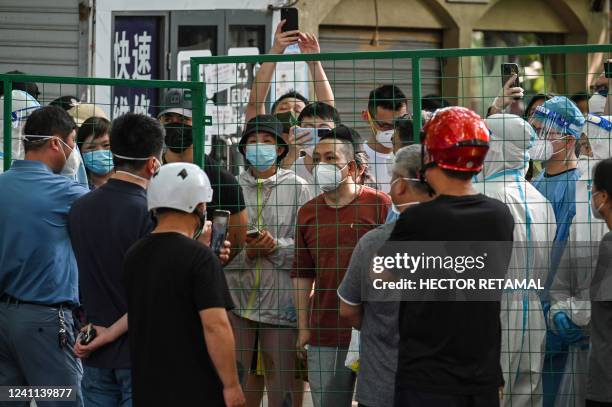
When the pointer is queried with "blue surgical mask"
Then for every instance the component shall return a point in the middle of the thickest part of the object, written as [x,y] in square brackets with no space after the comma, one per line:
[100,162]
[261,156]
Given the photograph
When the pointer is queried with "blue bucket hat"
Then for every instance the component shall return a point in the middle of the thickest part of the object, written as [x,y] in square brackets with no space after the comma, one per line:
[561,115]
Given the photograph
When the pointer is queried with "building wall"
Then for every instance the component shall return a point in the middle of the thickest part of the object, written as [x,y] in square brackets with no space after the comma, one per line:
[459,18]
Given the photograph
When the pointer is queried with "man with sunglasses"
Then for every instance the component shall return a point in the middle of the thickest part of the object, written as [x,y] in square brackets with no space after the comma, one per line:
[385,104]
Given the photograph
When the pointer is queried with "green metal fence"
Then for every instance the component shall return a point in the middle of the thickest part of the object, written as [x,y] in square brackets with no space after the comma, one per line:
[194,91]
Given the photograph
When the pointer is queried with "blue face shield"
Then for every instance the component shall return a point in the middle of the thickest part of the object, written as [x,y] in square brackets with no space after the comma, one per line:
[261,156]
[100,162]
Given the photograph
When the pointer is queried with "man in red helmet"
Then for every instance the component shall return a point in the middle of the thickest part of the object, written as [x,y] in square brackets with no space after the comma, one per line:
[449,352]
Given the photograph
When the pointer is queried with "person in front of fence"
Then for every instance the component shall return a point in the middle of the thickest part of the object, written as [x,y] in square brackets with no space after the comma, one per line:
[522,317]
[94,140]
[449,352]
[599,387]
[38,271]
[100,247]
[264,319]
[316,115]
[558,123]
[181,342]
[328,228]
[227,194]
[385,104]
[376,320]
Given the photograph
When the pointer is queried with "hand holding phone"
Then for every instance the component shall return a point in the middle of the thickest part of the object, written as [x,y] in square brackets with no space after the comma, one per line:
[507,71]
[87,335]
[219,230]
[290,15]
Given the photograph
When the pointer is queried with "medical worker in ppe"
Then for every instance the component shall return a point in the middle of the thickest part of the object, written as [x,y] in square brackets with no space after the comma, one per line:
[558,123]
[22,106]
[522,318]
[570,311]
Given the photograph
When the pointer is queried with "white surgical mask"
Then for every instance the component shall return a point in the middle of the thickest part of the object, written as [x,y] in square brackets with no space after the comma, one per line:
[328,177]
[597,104]
[72,162]
[385,138]
[542,150]
[596,210]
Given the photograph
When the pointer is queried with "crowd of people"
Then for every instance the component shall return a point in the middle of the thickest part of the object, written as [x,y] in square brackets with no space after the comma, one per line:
[107,229]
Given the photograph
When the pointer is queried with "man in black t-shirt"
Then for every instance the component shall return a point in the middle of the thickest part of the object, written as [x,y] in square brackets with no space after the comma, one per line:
[449,353]
[227,193]
[181,341]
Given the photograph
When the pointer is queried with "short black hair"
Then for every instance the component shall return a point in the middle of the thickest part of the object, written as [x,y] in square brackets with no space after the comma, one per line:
[138,136]
[431,103]
[321,111]
[388,97]
[461,175]
[344,136]
[46,121]
[65,102]
[534,99]
[94,126]
[404,128]
[290,94]
[602,176]
[29,87]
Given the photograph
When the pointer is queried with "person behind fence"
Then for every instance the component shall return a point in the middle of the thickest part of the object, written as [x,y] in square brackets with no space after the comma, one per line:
[227,194]
[377,320]
[100,247]
[316,115]
[38,271]
[522,317]
[449,352]
[570,312]
[328,228]
[599,387]
[22,106]
[385,104]
[94,140]
[264,319]
[558,123]
[173,280]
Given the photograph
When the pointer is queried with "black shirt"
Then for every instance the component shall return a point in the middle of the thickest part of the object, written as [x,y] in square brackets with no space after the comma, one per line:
[227,192]
[451,347]
[103,225]
[170,278]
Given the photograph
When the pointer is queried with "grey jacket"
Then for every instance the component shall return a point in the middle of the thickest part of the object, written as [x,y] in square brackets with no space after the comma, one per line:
[261,287]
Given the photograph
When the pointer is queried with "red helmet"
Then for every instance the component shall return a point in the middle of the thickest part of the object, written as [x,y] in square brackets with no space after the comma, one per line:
[456,138]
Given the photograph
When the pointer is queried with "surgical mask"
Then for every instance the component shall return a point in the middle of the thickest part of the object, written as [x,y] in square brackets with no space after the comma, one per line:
[328,177]
[596,210]
[542,150]
[100,162]
[385,138]
[597,104]
[200,229]
[72,161]
[261,156]
[123,157]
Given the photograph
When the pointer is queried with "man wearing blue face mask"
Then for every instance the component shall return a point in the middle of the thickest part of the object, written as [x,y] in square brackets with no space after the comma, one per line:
[385,104]
[264,319]
[94,140]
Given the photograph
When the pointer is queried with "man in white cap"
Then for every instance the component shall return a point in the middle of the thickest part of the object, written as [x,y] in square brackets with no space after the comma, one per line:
[173,280]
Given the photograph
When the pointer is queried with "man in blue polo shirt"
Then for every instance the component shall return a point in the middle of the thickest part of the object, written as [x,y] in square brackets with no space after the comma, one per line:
[103,225]
[38,271]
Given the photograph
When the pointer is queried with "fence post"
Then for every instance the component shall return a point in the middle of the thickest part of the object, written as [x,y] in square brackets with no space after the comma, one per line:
[416,98]
[197,99]
[8,113]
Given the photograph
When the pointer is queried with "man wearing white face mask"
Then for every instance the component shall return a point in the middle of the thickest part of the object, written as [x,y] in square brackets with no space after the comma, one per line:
[522,318]
[377,321]
[328,228]
[38,271]
[264,319]
[385,104]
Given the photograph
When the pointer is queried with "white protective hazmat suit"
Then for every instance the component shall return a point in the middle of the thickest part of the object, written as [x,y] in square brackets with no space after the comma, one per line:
[22,107]
[522,318]
[570,288]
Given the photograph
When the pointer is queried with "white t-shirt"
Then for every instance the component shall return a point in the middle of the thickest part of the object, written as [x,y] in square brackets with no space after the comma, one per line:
[301,171]
[378,167]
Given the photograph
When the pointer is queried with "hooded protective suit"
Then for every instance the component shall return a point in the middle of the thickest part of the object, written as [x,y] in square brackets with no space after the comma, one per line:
[522,318]
[23,105]
[261,287]
[570,289]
